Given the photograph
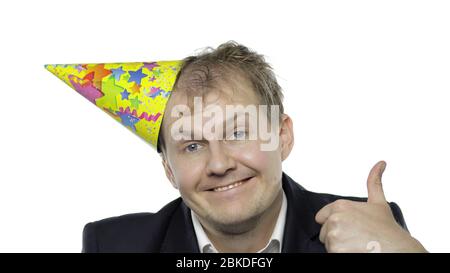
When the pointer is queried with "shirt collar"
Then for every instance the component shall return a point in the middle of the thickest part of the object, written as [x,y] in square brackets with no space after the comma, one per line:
[274,245]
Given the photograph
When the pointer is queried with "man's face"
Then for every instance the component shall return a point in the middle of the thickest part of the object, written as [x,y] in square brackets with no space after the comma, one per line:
[226,182]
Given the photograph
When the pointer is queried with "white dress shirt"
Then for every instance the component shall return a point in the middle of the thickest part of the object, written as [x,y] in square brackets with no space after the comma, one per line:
[273,246]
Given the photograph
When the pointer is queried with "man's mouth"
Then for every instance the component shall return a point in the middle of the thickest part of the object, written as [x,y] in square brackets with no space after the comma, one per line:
[231,186]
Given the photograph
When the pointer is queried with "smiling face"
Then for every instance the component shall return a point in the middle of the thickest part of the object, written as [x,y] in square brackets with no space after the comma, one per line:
[228,181]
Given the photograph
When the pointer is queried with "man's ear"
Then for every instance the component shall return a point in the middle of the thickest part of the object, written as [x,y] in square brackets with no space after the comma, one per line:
[169,172]
[286,136]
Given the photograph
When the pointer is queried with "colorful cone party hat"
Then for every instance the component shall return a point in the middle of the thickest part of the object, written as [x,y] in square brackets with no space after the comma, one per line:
[135,94]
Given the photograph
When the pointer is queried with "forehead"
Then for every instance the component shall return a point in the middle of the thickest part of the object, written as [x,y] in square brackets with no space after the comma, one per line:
[233,89]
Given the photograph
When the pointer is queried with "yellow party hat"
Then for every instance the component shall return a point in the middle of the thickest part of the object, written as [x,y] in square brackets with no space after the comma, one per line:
[135,94]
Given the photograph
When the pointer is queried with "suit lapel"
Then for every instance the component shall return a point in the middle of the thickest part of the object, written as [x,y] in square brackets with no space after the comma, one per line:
[301,233]
[180,235]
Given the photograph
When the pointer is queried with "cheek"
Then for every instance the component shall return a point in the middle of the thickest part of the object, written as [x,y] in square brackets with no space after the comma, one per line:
[187,175]
[259,160]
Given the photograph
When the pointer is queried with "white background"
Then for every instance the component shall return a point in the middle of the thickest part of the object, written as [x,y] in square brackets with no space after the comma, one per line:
[363,81]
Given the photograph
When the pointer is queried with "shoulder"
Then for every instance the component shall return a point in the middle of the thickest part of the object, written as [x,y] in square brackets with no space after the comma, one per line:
[137,232]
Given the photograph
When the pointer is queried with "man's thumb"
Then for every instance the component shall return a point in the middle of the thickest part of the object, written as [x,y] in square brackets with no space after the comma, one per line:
[374,185]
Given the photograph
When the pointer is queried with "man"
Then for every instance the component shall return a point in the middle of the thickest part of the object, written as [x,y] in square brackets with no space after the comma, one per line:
[234,195]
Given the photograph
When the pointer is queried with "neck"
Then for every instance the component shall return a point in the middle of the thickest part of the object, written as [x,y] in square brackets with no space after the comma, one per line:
[252,240]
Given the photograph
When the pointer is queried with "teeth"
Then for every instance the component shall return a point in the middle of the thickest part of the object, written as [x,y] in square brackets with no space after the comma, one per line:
[228,187]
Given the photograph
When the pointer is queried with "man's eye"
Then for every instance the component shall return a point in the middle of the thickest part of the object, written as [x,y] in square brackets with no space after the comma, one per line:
[192,147]
[239,134]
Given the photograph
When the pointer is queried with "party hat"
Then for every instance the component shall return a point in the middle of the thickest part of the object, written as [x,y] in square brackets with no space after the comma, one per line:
[134,94]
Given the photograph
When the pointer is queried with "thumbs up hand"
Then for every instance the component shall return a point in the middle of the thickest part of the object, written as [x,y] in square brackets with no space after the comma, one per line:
[349,226]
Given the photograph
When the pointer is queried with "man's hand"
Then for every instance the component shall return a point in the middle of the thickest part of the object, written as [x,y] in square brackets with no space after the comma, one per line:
[349,226]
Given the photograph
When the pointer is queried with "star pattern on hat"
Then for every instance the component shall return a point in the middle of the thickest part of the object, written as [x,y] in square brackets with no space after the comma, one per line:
[128,120]
[117,73]
[125,94]
[135,94]
[135,102]
[136,76]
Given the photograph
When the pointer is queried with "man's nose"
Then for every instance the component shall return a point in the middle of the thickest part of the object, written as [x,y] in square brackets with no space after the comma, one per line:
[219,161]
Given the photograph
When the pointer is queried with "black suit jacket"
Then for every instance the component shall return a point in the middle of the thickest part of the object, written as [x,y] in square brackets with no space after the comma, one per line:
[171,229]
